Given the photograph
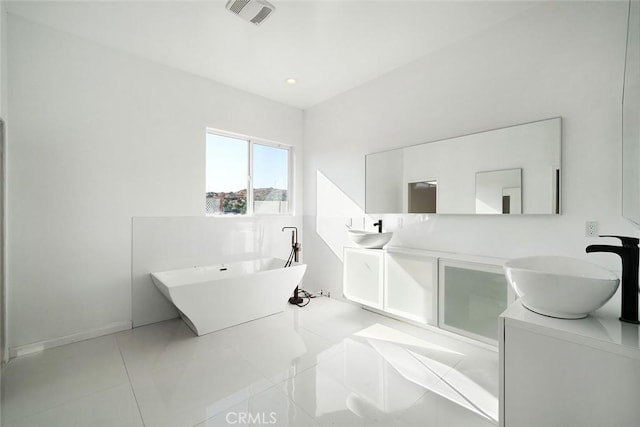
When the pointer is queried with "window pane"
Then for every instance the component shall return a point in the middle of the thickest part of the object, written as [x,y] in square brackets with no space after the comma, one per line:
[270,179]
[227,170]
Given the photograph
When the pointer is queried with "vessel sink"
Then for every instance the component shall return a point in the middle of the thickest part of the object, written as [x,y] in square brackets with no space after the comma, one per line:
[369,239]
[562,287]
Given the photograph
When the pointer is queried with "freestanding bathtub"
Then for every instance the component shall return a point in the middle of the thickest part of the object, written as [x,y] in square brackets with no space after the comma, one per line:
[216,297]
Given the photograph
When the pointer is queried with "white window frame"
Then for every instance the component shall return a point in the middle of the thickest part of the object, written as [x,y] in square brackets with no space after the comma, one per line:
[251,141]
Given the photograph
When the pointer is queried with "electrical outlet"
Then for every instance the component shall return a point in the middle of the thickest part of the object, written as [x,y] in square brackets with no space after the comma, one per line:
[591,229]
[399,223]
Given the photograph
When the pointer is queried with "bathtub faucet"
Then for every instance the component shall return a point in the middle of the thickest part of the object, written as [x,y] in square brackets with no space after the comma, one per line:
[293,257]
[295,246]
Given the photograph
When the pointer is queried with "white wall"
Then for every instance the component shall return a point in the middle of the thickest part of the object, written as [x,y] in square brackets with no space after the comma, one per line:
[99,137]
[557,59]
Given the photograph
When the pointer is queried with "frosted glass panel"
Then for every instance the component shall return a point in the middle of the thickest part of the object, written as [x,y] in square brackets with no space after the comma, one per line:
[411,287]
[473,297]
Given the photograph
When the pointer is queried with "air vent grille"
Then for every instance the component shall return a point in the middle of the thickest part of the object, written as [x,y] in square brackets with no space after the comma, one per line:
[254,11]
[262,15]
[238,5]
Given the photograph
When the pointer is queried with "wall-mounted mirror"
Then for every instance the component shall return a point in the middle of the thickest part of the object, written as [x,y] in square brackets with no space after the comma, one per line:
[512,170]
[631,119]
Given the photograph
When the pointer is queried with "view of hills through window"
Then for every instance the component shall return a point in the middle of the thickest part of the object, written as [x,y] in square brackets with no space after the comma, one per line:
[228,173]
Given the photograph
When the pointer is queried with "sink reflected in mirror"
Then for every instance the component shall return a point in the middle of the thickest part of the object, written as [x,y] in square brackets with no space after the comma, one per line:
[562,287]
[369,239]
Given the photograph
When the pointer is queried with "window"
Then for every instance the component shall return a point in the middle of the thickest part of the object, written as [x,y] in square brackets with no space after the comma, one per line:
[246,176]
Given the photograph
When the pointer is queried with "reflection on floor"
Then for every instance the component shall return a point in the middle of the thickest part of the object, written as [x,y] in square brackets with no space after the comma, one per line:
[327,364]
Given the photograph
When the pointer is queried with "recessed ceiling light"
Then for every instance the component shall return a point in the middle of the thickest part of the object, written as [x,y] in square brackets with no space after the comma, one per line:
[291,81]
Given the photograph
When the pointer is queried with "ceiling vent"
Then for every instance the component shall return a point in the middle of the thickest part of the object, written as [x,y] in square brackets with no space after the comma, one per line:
[254,11]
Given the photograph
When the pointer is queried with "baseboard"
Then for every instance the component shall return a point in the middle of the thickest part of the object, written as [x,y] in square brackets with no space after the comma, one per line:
[69,339]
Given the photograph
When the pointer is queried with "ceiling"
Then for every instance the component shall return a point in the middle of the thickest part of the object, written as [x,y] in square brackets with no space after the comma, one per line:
[328,46]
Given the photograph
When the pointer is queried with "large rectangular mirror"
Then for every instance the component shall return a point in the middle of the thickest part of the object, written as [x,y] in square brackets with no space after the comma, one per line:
[508,171]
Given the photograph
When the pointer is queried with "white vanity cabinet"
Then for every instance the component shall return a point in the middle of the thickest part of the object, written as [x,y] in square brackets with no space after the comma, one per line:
[463,294]
[402,283]
[559,373]
[411,286]
[363,276]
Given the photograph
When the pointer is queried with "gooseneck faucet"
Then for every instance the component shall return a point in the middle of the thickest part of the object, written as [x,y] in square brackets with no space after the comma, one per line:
[379,225]
[629,253]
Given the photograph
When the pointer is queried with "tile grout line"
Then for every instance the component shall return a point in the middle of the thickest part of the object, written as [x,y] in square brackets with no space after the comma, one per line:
[271,385]
[70,401]
[299,407]
[59,405]
[130,383]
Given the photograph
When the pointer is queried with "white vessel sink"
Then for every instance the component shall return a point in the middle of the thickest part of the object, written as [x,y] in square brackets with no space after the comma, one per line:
[369,239]
[562,287]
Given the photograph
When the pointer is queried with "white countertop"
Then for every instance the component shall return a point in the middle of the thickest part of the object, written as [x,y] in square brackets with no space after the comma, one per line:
[601,329]
[482,259]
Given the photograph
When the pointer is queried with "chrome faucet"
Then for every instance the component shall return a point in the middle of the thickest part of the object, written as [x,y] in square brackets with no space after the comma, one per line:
[379,225]
[629,253]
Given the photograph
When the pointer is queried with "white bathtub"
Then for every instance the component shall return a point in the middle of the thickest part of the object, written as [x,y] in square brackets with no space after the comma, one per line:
[216,297]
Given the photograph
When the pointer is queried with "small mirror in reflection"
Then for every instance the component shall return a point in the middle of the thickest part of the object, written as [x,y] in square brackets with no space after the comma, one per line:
[499,192]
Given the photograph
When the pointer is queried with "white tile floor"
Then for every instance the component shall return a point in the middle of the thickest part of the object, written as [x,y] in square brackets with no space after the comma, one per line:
[327,364]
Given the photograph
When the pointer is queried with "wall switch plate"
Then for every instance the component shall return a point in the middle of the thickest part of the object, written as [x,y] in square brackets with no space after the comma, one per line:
[591,229]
